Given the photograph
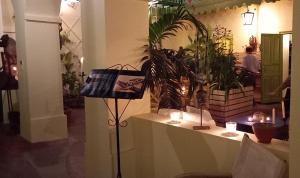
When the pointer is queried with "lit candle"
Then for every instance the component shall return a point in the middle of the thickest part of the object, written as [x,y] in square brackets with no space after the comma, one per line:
[283,109]
[183,90]
[254,117]
[81,65]
[268,119]
[273,115]
[261,121]
[250,119]
[175,116]
[231,126]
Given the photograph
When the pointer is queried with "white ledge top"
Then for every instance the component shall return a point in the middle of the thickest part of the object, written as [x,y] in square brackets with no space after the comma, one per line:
[275,145]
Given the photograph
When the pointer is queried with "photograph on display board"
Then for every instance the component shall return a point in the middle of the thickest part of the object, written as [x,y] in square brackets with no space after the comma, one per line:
[129,84]
[112,83]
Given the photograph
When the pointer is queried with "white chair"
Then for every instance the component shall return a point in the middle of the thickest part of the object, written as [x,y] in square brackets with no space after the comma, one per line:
[253,161]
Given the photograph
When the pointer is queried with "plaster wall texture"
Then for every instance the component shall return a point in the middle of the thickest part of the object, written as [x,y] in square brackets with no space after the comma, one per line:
[269,18]
[1,20]
[114,32]
[295,96]
[158,150]
[7,17]
[42,117]
[97,150]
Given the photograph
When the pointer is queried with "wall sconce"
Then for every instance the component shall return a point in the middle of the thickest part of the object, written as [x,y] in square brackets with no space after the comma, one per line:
[247,17]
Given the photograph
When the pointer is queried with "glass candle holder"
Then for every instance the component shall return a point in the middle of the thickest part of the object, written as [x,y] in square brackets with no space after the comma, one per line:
[231,126]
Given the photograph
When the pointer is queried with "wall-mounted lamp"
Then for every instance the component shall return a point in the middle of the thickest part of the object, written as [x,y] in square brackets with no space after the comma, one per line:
[247,17]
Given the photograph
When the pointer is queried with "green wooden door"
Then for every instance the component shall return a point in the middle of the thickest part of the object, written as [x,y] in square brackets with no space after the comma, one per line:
[271,66]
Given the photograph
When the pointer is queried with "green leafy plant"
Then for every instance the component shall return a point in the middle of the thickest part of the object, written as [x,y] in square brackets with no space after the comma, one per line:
[71,83]
[163,67]
[223,72]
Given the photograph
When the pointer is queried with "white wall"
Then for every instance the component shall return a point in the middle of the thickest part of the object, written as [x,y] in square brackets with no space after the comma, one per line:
[114,31]
[158,150]
[41,107]
[275,17]
[269,18]
[7,16]
[232,20]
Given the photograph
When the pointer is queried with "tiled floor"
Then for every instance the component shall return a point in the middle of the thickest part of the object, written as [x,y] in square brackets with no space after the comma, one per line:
[57,159]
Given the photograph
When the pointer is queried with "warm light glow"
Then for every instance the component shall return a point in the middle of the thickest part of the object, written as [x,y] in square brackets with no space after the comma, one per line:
[183,90]
[231,126]
[261,121]
[247,18]
[269,20]
[187,117]
[152,3]
[268,119]
[81,60]
[250,119]
[14,68]
[175,116]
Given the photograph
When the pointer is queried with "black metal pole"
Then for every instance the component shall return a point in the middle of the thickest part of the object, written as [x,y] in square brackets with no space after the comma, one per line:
[118,139]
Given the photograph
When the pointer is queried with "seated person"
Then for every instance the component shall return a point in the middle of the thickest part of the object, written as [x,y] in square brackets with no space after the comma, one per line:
[250,62]
[251,65]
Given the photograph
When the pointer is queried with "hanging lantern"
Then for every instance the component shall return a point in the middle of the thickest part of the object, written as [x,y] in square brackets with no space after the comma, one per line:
[247,17]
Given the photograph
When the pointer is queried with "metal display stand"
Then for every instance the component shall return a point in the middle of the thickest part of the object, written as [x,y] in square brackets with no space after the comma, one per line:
[102,83]
[116,121]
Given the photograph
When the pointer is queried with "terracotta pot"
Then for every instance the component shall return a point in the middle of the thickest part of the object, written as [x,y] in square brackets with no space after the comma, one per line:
[264,132]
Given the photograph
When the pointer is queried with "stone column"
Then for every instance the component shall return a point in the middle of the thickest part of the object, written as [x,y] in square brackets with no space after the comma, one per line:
[295,97]
[40,78]
[114,32]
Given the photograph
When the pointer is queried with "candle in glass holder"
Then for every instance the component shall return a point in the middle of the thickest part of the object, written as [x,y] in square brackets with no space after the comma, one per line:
[183,90]
[231,126]
[250,119]
[175,116]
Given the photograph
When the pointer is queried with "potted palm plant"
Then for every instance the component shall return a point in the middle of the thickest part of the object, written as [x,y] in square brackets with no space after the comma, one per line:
[164,68]
[229,98]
